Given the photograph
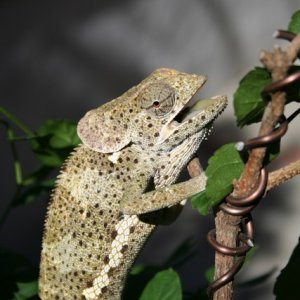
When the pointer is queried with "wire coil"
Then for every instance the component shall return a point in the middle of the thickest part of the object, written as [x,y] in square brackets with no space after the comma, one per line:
[242,206]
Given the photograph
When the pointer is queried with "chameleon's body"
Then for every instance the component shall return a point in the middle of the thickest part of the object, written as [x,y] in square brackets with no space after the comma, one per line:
[103,209]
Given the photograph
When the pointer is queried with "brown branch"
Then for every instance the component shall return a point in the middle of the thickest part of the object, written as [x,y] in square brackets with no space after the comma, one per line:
[227,226]
[283,174]
[194,167]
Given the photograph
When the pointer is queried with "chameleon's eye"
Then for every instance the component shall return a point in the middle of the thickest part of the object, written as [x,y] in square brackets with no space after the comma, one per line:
[158,99]
[156,104]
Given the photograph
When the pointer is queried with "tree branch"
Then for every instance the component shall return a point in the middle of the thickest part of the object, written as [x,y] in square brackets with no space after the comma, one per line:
[283,174]
[227,226]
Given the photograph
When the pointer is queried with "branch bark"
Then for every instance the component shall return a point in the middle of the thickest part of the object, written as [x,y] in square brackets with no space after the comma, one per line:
[283,174]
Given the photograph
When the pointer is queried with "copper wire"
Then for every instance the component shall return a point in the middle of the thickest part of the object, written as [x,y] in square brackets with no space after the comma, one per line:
[236,211]
[264,140]
[242,206]
[283,34]
[226,278]
[240,250]
[279,85]
[254,195]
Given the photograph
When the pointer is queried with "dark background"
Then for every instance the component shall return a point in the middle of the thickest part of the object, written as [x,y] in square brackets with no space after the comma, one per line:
[59,59]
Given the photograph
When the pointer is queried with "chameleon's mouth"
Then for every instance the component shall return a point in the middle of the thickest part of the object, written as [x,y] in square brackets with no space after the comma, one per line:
[212,107]
[191,118]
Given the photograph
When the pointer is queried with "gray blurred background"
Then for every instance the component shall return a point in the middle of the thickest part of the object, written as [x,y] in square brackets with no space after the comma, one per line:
[59,59]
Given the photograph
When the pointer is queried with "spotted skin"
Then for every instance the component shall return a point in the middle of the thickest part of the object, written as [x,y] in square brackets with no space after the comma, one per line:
[103,207]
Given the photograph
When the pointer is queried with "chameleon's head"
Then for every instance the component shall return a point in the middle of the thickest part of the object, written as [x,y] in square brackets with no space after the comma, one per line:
[154,114]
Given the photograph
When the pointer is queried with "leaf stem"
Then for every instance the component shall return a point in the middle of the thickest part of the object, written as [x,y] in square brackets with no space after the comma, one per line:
[17,122]
[17,165]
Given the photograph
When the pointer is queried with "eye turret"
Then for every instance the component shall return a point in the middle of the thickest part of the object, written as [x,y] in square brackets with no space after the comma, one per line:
[158,99]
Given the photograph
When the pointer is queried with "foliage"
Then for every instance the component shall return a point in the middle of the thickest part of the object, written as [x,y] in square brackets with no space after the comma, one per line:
[51,143]
[26,290]
[248,105]
[223,167]
[165,286]
[294,25]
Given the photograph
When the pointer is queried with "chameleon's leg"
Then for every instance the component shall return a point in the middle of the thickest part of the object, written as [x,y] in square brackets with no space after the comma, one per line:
[166,196]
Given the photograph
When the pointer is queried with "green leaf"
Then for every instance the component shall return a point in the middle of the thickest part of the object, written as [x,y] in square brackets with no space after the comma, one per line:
[209,274]
[164,286]
[65,136]
[140,275]
[54,141]
[138,279]
[294,25]
[26,290]
[137,269]
[63,133]
[223,167]
[287,283]
[202,203]
[49,157]
[248,104]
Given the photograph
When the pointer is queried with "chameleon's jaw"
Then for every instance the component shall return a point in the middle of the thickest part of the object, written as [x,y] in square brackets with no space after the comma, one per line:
[190,120]
[214,105]
[200,111]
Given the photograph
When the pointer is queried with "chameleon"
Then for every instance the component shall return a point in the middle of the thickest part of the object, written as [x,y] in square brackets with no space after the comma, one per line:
[120,183]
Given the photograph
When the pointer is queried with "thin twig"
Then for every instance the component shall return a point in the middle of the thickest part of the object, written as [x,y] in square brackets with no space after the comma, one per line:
[17,167]
[283,174]
[194,167]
